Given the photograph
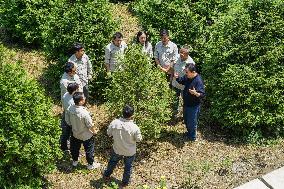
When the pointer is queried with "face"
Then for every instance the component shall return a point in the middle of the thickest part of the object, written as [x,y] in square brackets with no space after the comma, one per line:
[165,39]
[189,74]
[73,72]
[142,39]
[82,102]
[183,54]
[80,53]
[117,42]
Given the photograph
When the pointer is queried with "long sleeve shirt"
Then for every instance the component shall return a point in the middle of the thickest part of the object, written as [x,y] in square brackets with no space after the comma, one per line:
[66,79]
[179,68]
[80,120]
[197,83]
[166,54]
[84,68]
[125,134]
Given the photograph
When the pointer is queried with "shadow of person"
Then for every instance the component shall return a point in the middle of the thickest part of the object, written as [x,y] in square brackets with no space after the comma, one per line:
[101,183]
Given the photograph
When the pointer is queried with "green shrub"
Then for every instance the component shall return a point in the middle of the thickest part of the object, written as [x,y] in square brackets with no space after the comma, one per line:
[29,133]
[89,22]
[144,87]
[22,19]
[244,68]
[186,20]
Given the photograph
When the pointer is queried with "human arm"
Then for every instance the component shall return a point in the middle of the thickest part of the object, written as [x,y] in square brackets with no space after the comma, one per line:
[198,90]
[138,135]
[107,59]
[89,69]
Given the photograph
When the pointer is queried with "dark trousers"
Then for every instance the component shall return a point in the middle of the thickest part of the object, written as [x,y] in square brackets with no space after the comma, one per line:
[89,146]
[190,115]
[65,134]
[114,159]
[86,92]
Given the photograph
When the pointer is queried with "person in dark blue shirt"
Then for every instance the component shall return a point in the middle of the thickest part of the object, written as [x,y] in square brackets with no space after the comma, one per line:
[192,94]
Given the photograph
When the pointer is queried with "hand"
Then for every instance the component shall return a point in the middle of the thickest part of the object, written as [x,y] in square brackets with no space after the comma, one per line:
[193,92]
[90,77]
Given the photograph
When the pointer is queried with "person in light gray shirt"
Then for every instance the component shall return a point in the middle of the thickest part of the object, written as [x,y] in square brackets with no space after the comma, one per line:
[69,76]
[143,38]
[83,131]
[179,68]
[83,65]
[113,50]
[165,54]
[125,134]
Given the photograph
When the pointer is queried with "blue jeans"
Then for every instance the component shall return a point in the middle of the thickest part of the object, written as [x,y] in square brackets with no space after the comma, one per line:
[114,159]
[89,147]
[65,135]
[190,116]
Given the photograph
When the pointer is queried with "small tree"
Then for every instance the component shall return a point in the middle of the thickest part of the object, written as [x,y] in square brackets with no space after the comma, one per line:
[29,133]
[145,87]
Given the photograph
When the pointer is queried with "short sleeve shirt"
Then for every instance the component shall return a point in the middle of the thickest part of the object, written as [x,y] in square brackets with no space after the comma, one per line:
[166,54]
[112,51]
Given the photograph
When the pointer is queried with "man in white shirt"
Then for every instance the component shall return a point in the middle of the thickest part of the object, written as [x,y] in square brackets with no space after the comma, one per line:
[83,65]
[165,54]
[125,134]
[115,48]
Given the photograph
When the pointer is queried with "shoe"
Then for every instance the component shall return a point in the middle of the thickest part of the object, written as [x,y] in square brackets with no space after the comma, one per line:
[123,185]
[93,166]
[74,163]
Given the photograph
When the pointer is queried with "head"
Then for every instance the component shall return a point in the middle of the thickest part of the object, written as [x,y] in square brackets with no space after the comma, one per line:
[79,50]
[72,87]
[79,98]
[117,39]
[70,68]
[142,37]
[128,111]
[184,52]
[190,70]
[164,35]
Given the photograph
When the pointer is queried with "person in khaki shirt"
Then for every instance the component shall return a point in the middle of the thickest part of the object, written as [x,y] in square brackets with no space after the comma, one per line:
[125,134]
[165,54]
[82,131]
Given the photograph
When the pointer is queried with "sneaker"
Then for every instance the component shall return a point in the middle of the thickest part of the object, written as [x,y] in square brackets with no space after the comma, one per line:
[93,166]
[74,163]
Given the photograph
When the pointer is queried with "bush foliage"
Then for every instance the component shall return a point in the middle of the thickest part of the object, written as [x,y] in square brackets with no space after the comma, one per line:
[244,67]
[29,133]
[187,20]
[143,86]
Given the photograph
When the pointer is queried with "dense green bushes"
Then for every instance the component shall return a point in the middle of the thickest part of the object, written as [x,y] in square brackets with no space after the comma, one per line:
[244,67]
[29,133]
[187,20]
[145,88]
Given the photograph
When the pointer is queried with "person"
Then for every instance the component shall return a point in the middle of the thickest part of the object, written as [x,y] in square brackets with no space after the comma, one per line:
[112,50]
[179,67]
[84,67]
[125,134]
[165,54]
[69,76]
[83,131]
[192,94]
[67,100]
[143,38]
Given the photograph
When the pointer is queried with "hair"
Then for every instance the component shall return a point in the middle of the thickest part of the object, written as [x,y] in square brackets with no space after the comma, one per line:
[164,32]
[186,48]
[117,35]
[127,111]
[69,66]
[78,97]
[190,67]
[77,47]
[72,87]
[141,33]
